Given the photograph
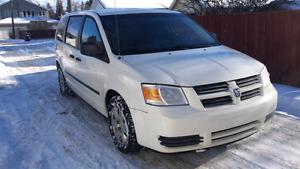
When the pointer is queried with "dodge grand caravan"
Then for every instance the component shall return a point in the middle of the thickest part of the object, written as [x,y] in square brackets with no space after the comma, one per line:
[162,81]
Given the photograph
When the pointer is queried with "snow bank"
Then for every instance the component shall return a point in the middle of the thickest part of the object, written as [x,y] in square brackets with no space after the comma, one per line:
[27,20]
[21,42]
[286,114]
[289,99]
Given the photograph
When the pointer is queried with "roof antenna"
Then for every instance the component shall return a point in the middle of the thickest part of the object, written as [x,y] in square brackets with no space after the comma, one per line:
[117,31]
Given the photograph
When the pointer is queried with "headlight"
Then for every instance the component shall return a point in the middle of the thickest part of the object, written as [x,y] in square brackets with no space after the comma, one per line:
[162,95]
[265,77]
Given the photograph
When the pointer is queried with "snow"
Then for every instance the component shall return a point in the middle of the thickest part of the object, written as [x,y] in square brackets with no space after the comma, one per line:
[40,129]
[27,20]
[289,99]
[286,114]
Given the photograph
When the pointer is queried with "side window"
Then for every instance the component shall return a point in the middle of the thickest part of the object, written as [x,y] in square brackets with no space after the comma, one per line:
[91,41]
[60,31]
[73,30]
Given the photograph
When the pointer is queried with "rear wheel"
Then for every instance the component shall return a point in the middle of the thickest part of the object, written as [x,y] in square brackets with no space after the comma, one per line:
[65,90]
[121,125]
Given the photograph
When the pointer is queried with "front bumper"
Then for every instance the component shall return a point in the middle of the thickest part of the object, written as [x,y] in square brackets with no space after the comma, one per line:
[167,129]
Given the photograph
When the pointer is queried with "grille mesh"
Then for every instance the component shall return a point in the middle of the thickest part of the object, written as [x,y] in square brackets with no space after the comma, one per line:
[245,84]
[248,81]
[211,88]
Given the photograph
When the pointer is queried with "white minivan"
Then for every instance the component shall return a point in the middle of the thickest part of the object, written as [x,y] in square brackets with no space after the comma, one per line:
[162,81]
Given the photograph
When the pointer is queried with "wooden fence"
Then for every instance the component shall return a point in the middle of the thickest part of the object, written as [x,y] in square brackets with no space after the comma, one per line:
[271,37]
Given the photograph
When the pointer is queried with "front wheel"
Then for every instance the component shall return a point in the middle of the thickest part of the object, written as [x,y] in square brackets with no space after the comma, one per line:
[121,125]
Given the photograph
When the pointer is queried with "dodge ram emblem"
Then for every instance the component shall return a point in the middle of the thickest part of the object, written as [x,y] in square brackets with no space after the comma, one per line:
[237,92]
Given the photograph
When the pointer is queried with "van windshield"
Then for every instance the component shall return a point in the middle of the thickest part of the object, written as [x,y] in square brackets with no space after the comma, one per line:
[130,34]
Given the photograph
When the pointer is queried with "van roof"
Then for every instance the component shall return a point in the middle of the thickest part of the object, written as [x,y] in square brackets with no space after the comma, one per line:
[117,11]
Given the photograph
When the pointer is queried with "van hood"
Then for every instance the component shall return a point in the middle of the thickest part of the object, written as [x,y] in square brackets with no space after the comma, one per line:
[194,67]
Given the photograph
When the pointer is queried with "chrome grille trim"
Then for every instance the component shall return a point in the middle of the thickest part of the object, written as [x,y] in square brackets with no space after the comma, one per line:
[250,94]
[234,133]
[217,101]
[248,81]
[218,94]
[211,88]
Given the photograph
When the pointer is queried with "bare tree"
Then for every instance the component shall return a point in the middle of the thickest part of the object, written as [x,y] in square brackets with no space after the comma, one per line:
[202,7]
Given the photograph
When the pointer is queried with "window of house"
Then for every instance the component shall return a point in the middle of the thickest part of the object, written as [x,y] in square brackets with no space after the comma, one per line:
[24,13]
[32,13]
[73,30]
[91,41]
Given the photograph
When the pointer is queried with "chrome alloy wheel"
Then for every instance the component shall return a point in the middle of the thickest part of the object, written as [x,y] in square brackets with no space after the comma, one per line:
[119,125]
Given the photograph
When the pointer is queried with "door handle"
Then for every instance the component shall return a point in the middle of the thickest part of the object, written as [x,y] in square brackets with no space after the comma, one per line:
[72,56]
[78,59]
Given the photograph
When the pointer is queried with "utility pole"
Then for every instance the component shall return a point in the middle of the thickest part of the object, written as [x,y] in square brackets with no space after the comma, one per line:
[12,19]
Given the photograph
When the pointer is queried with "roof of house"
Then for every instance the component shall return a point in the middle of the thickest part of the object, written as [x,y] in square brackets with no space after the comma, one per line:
[4,3]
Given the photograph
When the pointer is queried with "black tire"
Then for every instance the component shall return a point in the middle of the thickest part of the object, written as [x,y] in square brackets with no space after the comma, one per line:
[128,145]
[65,90]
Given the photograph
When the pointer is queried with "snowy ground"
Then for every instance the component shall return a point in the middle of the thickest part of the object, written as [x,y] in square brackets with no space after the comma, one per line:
[40,129]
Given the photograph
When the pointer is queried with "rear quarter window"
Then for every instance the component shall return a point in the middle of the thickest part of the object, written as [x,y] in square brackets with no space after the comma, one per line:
[61,27]
[73,29]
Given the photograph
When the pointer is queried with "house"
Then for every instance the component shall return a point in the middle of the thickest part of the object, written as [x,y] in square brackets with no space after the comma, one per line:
[28,18]
[21,8]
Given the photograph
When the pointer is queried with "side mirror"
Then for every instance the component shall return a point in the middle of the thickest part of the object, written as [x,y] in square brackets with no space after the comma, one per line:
[95,50]
[213,34]
[89,49]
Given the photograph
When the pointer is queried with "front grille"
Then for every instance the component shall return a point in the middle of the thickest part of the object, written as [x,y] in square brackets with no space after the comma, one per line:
[248,81]
[234,133]
[250,94]
[219,101]
[218,94]
[211,88]
[180,141]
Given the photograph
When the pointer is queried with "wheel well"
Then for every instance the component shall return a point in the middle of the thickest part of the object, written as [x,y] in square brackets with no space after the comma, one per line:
[110,93]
